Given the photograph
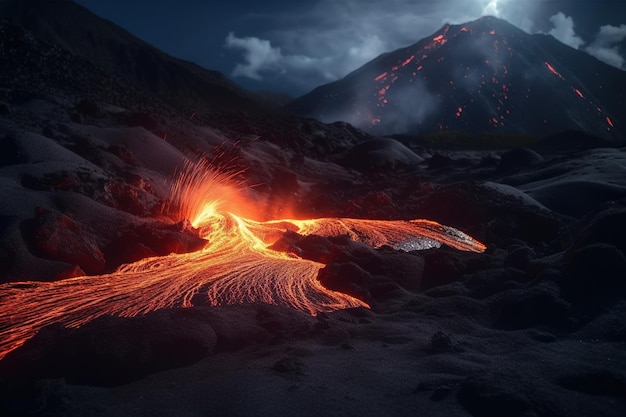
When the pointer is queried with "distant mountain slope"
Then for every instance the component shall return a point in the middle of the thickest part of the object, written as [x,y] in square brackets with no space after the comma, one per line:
[175,81]
[483,76]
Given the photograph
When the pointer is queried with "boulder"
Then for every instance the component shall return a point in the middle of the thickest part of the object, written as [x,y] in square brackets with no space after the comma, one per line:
[382,154]
[110,351]
[59,237]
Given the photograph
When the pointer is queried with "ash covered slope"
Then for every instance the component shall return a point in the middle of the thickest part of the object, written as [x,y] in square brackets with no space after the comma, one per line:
[485,75]
[112,48]
[86,153]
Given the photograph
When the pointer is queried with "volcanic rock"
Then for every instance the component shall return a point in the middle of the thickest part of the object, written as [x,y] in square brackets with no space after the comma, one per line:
[604,226]
[595,277]
[519,158]
[151,239]
[57,236]
[534,326]
[575,197]
[127,248]
[539,305]
[518,256]
[88,107]
[289,365]
[71,272]
[380,154]
[481,397]
[113,350]
[11,152]
[348,278]
[490,281]
[443,266]
[239,326]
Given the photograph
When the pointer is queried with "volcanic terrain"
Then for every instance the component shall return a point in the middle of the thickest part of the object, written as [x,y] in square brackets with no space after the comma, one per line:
[483,76]
[165,252]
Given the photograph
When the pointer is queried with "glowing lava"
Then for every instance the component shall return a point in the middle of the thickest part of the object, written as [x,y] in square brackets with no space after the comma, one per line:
[609,121]
[235,266]
[552,70]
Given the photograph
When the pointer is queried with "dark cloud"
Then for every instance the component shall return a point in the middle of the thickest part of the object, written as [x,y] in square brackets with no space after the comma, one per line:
[331,38]
[606,45]
[563,30]
[295,46]
[334,37]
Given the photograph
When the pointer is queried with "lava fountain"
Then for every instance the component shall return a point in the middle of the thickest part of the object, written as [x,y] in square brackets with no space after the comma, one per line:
[235,266]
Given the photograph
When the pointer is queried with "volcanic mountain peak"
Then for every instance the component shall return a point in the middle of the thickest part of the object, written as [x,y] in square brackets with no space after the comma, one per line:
[485,75]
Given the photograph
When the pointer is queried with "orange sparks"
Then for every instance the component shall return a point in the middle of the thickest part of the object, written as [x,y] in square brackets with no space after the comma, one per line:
[609,121]
[492,32]
[237,264]
[577,91]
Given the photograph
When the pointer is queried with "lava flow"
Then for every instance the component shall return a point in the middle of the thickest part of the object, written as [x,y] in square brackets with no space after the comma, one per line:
[235,266]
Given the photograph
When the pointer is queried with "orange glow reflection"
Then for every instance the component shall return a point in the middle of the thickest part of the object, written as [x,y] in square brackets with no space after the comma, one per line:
[235,266]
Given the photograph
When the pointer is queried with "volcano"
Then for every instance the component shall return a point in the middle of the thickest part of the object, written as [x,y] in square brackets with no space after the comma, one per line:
[243,262]
[482,76]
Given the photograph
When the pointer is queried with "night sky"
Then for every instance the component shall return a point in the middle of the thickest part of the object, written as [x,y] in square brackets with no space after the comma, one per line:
[292,47]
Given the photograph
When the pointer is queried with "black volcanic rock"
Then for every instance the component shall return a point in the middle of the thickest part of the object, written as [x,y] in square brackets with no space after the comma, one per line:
[59,237]
[112,350]
[483,76]
[380,153]
[518,158]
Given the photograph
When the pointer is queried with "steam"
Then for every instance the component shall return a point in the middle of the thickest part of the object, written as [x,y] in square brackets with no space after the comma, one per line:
[411,107]
[259,54]
[563,30]
[605,45]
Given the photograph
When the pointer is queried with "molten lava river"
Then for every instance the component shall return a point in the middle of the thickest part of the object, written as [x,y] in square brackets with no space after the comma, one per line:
[235,266]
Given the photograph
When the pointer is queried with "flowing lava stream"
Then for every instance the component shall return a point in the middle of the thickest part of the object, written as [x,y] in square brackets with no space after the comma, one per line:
[235,266]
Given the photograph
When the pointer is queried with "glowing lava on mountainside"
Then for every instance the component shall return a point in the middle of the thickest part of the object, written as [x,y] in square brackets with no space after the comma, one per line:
[482,76]
[236,265]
